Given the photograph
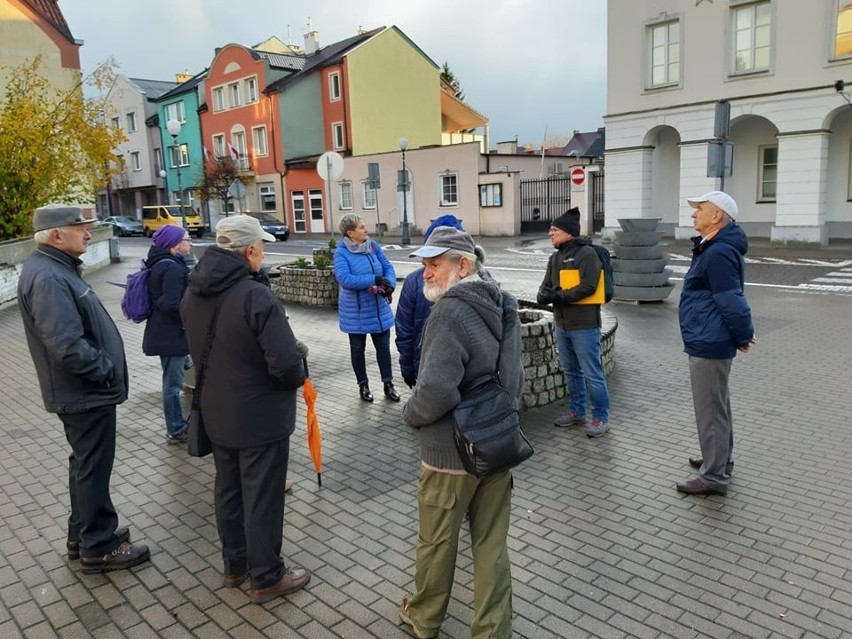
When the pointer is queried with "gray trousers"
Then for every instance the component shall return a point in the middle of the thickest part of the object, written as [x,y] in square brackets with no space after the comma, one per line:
[711,398]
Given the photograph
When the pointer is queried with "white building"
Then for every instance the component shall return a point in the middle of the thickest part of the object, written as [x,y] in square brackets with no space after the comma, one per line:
[777,63]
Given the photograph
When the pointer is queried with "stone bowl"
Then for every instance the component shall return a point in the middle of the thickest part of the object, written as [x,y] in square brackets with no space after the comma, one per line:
[639,223]
[637,238]
[652,252]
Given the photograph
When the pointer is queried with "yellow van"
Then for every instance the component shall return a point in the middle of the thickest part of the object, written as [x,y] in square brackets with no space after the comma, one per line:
[153,217]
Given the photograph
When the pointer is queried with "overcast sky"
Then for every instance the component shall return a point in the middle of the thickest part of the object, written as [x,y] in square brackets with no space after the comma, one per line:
[530,66]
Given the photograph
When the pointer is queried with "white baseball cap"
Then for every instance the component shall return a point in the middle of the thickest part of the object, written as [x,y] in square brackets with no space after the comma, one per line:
[720,199]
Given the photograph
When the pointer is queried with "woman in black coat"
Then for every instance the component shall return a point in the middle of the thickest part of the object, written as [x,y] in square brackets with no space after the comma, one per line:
[164,334]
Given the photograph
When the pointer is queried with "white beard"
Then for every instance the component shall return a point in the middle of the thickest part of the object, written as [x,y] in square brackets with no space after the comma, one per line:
[433,292]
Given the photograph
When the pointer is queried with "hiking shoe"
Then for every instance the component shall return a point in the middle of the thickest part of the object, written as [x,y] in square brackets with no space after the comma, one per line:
[122,533]
[405,617]
[125,556]
[177,438]
[570,418]
[597,428]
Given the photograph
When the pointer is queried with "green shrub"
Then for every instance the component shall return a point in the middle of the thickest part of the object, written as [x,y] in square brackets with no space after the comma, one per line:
[302,262]
[332,243]
[322,261]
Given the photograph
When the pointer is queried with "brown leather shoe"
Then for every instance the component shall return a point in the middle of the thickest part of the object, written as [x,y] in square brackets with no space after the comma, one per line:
[125,556]
[696,462]
[122,533]
[697,487]
[234,580]
[295,578]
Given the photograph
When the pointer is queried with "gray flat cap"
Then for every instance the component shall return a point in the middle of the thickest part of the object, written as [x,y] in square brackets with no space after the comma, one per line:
[55,215]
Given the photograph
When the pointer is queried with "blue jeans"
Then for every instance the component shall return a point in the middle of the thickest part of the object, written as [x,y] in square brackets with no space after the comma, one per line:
[357,346]
[172,385]
[580,358]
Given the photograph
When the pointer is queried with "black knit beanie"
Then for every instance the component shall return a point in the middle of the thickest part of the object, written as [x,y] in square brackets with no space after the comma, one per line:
[569,222]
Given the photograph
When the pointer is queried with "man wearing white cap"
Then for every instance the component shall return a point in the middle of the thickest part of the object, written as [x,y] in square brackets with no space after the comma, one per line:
[252,371]
[715,322]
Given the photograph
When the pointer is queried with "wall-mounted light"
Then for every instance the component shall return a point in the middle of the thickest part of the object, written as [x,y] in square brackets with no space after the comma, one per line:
[839,86]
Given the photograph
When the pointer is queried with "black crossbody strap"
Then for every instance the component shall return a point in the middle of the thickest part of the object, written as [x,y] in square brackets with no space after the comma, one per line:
[208,344]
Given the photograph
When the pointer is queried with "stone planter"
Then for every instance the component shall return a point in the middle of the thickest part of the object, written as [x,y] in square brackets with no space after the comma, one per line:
[544,382]
[310,286]
[639,268]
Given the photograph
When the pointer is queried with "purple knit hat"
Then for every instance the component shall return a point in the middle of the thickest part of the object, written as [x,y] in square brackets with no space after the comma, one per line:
[168,236]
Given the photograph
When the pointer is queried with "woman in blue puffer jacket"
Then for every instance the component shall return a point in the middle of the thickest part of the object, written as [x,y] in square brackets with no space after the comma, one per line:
[366,280]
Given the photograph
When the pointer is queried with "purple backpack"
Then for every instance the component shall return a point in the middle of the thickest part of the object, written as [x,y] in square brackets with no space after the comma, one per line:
[136,303]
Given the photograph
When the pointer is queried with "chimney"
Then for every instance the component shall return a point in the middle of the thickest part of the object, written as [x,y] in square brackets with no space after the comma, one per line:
[311,40]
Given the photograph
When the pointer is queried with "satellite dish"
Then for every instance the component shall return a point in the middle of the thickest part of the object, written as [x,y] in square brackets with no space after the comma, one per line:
[330,165]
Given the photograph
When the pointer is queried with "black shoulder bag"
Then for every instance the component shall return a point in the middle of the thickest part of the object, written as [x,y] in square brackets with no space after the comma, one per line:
[487,427]
[197,442]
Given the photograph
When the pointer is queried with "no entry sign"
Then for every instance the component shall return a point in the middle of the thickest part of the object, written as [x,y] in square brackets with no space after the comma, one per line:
[578,176]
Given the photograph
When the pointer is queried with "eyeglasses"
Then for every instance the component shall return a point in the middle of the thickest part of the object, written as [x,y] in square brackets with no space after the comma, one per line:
[187,239]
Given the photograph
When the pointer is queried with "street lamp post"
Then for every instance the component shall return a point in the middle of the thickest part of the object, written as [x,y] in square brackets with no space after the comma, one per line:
[403,186]
[173,127]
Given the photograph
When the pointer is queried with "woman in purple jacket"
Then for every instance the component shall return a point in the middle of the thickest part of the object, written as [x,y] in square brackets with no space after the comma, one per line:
[366,280]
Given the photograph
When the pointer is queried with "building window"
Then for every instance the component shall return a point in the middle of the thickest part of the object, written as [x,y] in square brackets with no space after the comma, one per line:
[131,122]
[843,30]
[267,198]
[448,183]
[315,199]
[218,99]
[180,155]
[258,134]
[219,146]
[368,195]
[175,112]
[297,199]
[333,86]
[346,195]
[238,140]
[234,94]
[491,195]
[116,123]
[752,37]
[251,91]
[135,162]
[768,173]
[664,40]
[337,135]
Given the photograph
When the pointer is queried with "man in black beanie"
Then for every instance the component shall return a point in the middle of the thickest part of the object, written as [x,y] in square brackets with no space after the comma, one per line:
[577,324]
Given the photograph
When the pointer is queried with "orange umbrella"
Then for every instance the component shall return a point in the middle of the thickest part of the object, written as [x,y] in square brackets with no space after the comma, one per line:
[314,437]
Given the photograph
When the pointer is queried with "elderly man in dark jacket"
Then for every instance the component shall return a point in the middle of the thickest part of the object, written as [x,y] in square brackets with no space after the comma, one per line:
[461,341]
[79,360]
[164,334]
[248,402]
[715,322]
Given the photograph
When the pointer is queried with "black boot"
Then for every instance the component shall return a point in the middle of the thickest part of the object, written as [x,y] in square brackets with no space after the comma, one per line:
[390,392]
[366,395]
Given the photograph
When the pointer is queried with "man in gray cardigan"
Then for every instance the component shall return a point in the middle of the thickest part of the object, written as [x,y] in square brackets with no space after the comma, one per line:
[460,344]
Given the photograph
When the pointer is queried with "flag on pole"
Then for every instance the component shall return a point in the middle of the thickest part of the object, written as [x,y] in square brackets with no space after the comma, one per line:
[234,153]
[206,153]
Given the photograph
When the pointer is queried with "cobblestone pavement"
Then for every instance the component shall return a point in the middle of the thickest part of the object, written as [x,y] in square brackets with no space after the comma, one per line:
[601,543]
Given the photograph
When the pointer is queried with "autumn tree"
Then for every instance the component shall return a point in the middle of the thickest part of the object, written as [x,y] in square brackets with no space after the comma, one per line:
[216,180]
[55,144]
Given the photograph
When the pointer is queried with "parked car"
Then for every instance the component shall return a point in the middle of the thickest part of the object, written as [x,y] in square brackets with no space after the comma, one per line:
[272,225]
[124,225]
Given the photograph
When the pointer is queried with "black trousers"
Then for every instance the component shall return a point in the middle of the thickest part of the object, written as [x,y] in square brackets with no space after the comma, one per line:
[93,518]
[249,496]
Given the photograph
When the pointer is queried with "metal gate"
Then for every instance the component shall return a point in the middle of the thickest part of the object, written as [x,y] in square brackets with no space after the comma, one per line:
[598,215]
[542,201]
